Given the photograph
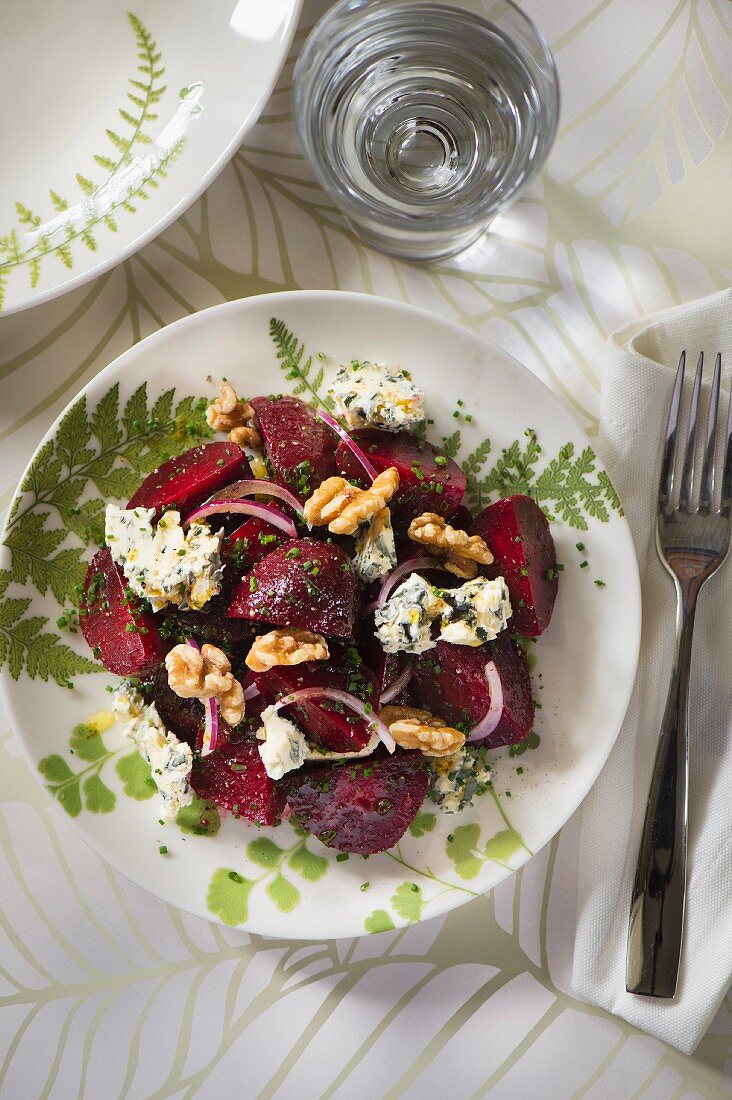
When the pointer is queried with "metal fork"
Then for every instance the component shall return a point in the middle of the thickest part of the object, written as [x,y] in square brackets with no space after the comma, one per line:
[692,538]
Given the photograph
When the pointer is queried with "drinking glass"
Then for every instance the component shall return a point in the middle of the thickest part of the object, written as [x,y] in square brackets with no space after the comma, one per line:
[423,120]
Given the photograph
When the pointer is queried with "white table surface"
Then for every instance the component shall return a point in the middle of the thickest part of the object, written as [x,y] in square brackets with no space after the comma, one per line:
[107,992]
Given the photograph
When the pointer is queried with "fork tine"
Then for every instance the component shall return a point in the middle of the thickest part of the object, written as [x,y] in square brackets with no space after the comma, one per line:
[727,472]
[707,482]
[666,481]
[687,475]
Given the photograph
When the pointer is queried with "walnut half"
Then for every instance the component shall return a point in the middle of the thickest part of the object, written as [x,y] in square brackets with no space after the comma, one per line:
[205,674]
[286,647]
[228,414]
[344,507]
[460,551]
[418,729]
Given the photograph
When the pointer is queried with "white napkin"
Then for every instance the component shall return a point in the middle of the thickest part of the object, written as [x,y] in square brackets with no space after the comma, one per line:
[635,394]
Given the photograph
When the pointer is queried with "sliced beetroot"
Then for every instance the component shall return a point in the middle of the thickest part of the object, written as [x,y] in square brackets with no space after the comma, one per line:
[233,777]
[326,722]
[461,519]
[450,681]
[517,532]
[360,806]
[303,583]
[424,484]
[183,717]
[124,638]
[187,480]
[249,543]
[299,446]
[386,667]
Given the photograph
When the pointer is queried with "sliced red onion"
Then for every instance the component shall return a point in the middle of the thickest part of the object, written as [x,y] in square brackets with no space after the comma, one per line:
[207,741]
[399,684]
[349,442]
[251,692]
[211,727]
[392,579]
[258,487]
[495,710]
[349,700]
[265,512]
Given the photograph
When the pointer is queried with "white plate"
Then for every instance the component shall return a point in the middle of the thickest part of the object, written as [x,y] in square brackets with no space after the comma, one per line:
[115,121]
[271,881]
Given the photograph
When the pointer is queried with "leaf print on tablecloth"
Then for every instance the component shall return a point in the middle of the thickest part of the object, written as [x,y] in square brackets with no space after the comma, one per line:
[659,120]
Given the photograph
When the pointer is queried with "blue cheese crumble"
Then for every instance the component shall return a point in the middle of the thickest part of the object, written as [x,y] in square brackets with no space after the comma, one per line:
[470,615]
[165,564]
[170,760]
[476,612]
[404,623]
[284,748]
[375,548]
[455,780]
[369,395]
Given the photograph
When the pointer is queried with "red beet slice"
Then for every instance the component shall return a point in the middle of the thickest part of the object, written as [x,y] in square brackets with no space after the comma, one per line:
[518,534]
[326,722]
[191,477]
[386,667]
[461,519]
[126,640]
[233,777]
[424,484]
[299,446]
[450,681]
[249,543]
[361,806]
[305,584]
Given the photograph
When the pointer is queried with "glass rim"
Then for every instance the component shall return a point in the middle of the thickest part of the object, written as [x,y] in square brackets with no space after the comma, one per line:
[359,207]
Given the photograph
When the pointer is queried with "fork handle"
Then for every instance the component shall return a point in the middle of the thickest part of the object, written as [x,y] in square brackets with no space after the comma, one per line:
[657,908]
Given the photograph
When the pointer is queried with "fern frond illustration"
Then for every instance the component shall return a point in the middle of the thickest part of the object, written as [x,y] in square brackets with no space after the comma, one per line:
[24,644]
[59,511]
[128,175]
[569,486]
[298,367]
[85,787]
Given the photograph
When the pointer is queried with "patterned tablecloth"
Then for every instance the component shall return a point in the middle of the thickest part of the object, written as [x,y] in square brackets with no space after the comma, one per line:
[107,992]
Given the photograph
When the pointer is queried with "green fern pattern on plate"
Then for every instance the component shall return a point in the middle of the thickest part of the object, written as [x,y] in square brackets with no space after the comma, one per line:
[54,236]
[229,890]
[58,514]
[85,787]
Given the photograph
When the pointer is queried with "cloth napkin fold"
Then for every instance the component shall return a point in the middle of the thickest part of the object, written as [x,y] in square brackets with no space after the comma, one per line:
[635,394]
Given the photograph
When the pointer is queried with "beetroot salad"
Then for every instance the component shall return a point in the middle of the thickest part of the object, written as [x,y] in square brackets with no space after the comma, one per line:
[308,622]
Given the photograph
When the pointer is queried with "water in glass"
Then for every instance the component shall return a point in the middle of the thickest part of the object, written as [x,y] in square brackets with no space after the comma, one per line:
[424,119]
